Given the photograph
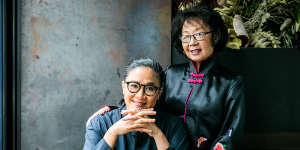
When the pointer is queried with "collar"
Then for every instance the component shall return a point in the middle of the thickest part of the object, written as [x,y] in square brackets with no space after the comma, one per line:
[205,66]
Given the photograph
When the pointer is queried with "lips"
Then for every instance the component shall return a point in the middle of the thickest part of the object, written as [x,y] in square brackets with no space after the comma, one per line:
[195,51]
[139,104]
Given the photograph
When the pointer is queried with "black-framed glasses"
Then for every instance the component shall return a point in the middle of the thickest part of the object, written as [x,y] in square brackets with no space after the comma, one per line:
[134,87]
[198,36]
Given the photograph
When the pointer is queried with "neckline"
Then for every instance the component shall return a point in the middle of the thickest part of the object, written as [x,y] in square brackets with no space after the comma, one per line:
[204,67]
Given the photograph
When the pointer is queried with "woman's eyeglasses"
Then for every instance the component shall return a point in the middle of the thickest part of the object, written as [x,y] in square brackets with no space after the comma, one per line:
[198,36]
[134,87]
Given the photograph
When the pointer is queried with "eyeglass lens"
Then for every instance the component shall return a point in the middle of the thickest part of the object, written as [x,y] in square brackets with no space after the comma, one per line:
[134,87]
[198,36]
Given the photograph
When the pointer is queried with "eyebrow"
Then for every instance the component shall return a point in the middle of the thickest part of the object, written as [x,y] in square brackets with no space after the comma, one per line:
[150,83]
[194,30]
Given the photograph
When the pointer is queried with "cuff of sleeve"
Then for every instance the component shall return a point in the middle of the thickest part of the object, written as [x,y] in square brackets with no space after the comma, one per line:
[170,148]
[102,145]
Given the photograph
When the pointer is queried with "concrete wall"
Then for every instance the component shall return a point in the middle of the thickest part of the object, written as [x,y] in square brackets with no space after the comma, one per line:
[73,52]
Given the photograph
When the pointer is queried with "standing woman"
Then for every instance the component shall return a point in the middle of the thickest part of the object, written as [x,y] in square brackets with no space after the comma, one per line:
[208,97]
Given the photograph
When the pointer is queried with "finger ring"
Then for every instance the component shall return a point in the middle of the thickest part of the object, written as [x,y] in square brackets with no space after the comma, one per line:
[140,109]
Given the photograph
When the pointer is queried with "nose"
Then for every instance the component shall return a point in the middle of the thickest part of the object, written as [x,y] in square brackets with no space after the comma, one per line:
[141,92]
[193,41]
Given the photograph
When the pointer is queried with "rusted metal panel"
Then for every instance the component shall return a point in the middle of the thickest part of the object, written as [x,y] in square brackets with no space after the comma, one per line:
[73,53]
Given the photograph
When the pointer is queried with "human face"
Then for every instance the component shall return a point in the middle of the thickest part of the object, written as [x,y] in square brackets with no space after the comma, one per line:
[144,76]
[197,51]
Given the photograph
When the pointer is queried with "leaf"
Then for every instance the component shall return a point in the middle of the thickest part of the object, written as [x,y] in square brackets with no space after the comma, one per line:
[264,40]
[285,23]
[297,24]
[235,44]
[264,19]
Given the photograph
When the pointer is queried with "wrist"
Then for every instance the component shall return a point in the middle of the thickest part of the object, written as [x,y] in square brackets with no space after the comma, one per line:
[161,140]
[113,131]
[157,133]
[111,137]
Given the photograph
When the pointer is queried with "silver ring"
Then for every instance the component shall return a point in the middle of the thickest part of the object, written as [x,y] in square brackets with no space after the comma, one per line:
[139,109]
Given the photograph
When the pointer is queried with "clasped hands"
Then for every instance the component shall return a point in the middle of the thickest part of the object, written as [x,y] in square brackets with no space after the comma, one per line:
[136,120]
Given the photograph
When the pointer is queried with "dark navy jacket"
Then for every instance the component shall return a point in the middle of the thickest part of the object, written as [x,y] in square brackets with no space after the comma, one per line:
[171,126]
[210,100]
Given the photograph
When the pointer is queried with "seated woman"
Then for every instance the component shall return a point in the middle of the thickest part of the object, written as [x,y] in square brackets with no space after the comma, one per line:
[147,127]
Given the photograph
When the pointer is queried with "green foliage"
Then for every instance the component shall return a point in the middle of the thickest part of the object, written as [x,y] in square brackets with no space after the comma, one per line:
[297,22]
[250,10]
[234,42]
[269,23]
[264,40]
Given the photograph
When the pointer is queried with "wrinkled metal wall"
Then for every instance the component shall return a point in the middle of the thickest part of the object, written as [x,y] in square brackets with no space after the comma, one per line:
[73,53]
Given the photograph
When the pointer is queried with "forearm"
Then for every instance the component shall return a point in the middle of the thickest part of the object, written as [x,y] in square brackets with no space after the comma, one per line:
[110,137]
[161,141]
[94,140]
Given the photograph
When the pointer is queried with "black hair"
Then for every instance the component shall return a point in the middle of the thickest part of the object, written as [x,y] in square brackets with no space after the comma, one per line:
[147,62]
[209,17]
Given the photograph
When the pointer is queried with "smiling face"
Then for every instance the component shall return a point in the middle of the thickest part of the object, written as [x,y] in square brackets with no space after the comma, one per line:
[144,76]
[197,51]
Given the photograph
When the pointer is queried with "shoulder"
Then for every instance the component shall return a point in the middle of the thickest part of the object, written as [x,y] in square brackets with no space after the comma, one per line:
[226,74]
[176,69]
[107,119]
[234,82]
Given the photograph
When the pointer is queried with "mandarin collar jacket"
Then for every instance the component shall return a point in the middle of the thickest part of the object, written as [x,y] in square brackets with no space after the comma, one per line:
[210,101]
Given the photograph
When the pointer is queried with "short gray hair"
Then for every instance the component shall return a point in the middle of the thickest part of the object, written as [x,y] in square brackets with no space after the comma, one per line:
[147,62]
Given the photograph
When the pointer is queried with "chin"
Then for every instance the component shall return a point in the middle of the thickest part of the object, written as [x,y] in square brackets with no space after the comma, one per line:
[139,107]
[197,59]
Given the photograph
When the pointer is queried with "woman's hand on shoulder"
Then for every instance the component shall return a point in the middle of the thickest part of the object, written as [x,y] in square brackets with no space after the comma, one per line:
[104,109]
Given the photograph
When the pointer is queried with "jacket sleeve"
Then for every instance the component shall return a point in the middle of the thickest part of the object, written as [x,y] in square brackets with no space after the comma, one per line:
[233,125]
[179,140]
[162,98]
[94,136]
